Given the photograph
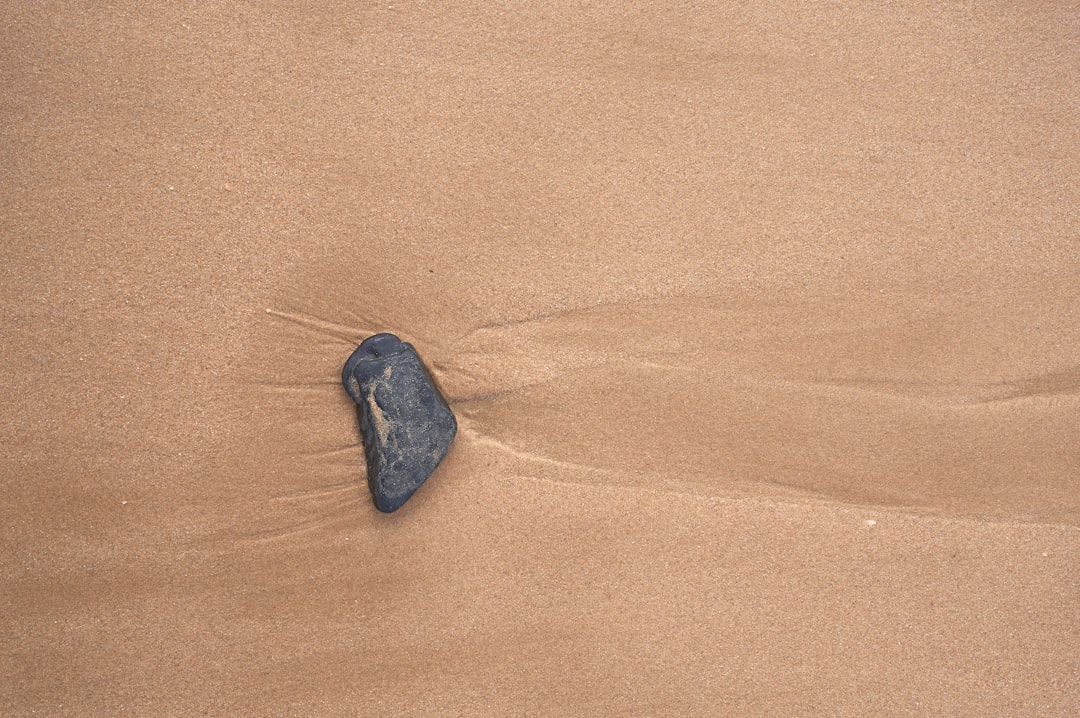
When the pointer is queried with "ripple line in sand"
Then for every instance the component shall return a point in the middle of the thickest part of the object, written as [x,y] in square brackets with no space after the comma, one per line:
[321,326]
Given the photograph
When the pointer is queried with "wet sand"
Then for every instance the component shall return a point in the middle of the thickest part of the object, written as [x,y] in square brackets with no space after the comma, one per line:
[760,325]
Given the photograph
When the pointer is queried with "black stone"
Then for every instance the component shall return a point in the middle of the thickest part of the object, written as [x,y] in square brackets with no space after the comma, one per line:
[406,425]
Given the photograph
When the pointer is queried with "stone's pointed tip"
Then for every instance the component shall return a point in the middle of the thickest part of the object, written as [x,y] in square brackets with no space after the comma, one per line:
[406,424]
[389,505]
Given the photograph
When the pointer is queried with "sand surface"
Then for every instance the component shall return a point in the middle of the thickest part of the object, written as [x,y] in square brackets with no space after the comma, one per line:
[760,323]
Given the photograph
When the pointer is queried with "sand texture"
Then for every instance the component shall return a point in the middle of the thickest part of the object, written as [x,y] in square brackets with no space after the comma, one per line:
[761,323]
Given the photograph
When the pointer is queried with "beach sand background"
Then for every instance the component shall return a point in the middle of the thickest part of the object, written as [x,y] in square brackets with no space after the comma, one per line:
[760,322]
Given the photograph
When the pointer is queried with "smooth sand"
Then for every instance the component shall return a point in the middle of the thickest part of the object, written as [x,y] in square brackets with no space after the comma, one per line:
[760,324]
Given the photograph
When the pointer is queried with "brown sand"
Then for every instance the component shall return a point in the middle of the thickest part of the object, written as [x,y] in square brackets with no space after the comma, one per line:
[760,323]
